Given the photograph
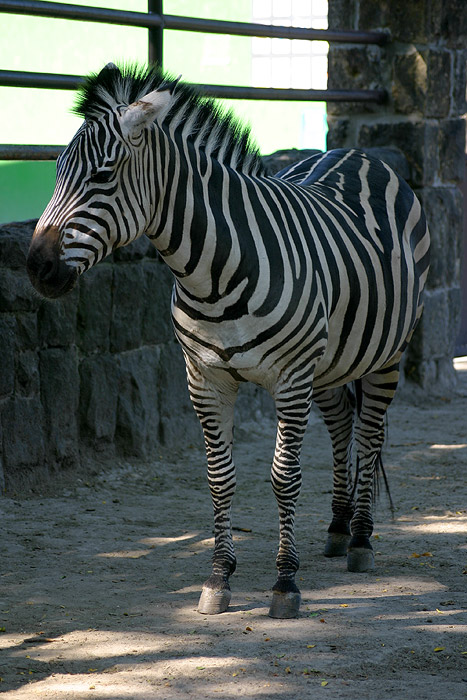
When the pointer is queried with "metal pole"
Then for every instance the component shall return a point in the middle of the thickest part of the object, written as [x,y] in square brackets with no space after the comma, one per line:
[156,34]
[236,92]
[192,24]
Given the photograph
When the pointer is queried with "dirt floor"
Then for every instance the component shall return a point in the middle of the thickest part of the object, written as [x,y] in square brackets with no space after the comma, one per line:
[100,579]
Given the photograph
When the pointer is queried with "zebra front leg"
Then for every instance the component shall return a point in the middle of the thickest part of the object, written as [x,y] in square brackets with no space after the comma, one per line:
[215,412]
[377,392]
[337,407]
[286,481]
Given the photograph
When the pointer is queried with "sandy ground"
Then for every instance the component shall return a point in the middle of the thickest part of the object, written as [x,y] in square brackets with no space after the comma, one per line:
[100,579]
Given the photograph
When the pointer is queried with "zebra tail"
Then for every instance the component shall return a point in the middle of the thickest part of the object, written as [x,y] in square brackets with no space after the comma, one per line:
[380,472]
[379,467]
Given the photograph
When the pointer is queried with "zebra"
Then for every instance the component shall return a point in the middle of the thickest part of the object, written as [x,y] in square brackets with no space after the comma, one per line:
[307,283]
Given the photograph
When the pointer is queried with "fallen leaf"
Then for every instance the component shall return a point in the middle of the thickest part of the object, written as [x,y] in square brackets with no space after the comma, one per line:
[310,646]
[248,629]
[324,684]
[343,605]
[287,669]
[439,649]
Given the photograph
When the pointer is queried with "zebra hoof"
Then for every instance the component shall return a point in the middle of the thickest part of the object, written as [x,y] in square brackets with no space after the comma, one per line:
[336,545]
[285,605]
[360,559]
[213,602]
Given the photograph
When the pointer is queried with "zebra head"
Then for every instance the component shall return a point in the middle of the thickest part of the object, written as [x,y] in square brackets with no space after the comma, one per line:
[101,199]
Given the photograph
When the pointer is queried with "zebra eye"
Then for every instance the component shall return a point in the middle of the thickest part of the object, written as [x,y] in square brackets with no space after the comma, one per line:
[101,176]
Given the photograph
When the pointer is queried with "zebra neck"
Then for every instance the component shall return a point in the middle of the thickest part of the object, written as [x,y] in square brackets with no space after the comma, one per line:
[194,231]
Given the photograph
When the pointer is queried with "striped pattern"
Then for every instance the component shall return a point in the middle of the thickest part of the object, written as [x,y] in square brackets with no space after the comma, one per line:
[302,283]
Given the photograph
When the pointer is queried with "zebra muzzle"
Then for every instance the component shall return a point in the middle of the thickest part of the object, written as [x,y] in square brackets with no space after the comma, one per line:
[49,275]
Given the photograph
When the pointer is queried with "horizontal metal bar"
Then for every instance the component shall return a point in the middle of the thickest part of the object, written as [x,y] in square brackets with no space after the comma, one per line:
[71,82]
[257,93]
[24,152]
[194,24]
[12,78]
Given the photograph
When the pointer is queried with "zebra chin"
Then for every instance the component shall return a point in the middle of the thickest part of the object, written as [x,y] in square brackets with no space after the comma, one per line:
[49,275]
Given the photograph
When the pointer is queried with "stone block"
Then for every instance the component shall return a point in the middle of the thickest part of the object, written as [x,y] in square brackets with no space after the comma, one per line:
[451,144]
[409,86]
[127,307]
[57,320]
[443,208]
[7,353]
[439,82]
[357,67]
[137,425]
[27,336]
[342,14]
[341,132]
[16,291]
[99,387]
[2,471]
[253,403]
[437,377]
[455,314]
[417,141]
[14,244]
[179,424]
[59,378]
[436,338]
[156,318]
[95,309]
[23,435]
[452,20]
[406,21]
[459,83]
[27,382]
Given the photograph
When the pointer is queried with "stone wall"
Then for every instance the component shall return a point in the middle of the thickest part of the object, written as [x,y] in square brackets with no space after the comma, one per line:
[423,68]
[94,375]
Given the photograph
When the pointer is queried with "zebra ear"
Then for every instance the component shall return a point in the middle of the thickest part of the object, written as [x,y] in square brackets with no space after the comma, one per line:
[154,105]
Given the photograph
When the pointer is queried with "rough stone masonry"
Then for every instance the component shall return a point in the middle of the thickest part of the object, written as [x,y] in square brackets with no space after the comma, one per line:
[423,68]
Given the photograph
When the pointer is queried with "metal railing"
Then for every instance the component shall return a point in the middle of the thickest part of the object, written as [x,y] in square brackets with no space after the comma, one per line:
[155,21]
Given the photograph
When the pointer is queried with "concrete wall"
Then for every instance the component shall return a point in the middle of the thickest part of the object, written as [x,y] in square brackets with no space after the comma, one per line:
[423,68]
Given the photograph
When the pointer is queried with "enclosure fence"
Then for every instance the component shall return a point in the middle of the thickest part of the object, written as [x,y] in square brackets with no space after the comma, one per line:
[155,21]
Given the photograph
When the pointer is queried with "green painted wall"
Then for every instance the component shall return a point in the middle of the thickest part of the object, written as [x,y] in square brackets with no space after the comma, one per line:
[43,116]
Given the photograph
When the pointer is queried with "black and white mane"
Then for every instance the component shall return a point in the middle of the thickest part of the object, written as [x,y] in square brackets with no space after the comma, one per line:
[200,118]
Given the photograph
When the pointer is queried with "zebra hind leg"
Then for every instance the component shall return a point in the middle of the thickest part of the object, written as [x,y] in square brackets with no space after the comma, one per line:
[338,408]
[377,392]
[286,481]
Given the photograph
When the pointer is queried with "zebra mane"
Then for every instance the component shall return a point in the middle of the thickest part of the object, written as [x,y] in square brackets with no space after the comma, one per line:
[214,129]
